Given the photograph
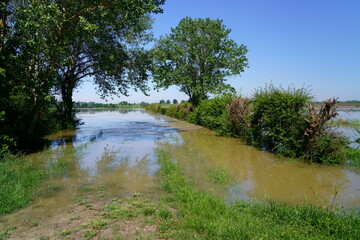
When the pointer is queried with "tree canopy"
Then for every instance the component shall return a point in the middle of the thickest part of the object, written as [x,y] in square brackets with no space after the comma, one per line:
[49,48]
[197,56]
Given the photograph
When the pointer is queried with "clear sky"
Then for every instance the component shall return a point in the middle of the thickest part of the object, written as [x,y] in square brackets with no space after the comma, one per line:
[311,43]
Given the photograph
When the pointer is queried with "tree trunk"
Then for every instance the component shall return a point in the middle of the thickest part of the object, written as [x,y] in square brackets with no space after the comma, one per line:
[67,110]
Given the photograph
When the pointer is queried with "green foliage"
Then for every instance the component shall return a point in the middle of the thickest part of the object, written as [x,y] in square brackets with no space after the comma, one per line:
[197,56]
[18,181]
[328,147]
[156,108]
[49,47]
[202,216]
[219,176]
[180,111]
[278,119]
[353,155]
[212,114]
[90,234]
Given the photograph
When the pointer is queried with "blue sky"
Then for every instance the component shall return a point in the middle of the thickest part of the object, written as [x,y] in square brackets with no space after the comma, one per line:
[311,43]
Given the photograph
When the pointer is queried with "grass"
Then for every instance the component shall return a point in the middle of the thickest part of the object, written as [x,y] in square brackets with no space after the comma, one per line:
[202,216]
[352,154]
[18,180]
[219,176]
[354,157]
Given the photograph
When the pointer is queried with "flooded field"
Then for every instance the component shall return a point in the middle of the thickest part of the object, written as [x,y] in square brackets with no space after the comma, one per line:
[115,151]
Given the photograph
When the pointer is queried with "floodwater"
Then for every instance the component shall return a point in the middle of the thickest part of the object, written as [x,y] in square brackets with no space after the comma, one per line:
[116,150]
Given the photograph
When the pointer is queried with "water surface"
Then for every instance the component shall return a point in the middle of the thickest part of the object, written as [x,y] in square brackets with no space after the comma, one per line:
[116,150]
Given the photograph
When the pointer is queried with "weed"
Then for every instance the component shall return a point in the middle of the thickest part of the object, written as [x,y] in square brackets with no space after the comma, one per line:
[73,218]
[66,232]
[12,227]
[87,189]
[98,223]
[90,234]
[219,176]
[35,223]
[129,208]
[164,213]
[4,235]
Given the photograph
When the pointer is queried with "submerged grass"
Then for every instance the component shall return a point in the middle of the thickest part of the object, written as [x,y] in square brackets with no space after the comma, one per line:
[202,216]
[352,153]
[18,180]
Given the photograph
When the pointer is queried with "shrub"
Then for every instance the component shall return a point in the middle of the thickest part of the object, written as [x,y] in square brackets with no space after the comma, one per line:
[212,114]
[323,143]
[327,147]
[179,111]
[278,119]
[156,108]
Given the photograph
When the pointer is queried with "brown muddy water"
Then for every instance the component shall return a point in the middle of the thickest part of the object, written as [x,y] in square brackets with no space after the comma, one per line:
[115,151]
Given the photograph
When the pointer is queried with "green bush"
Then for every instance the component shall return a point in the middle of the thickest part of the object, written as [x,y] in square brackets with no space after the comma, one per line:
[212,114]
[278,119]
[179,111]
[327,147]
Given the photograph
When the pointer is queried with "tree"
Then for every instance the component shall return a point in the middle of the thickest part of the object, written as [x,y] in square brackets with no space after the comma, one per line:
[162,101]
[63,42]
[143,104]
[197,56]
[25,72]
[175,101]
[168,101]
[50,47]
[103,39]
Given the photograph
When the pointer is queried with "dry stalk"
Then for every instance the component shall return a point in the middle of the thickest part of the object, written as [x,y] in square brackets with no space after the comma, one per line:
[318,119]
[238,109]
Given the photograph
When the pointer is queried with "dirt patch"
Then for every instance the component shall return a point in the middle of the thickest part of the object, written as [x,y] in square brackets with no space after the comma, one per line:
[134,216]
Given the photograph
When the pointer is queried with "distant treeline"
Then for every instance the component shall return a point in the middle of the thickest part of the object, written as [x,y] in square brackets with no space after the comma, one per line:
[123,104]
[344,104]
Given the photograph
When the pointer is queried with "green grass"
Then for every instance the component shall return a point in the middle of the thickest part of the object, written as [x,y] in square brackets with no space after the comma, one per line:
[354,157]
[219,176]
[202,216]
[352,154]
[19,180]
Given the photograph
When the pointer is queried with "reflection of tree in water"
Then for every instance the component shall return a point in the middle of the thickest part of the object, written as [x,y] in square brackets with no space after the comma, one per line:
[261,173]
[114,161]
[63,166]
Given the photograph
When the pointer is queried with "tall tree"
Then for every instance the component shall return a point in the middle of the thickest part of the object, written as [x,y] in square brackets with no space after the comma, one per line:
[197,56]
[103,39]
[27,75]
[49,47]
